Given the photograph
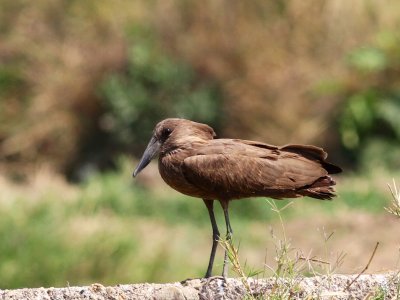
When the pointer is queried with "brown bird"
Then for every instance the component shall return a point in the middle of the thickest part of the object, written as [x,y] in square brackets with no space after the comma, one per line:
[194,163]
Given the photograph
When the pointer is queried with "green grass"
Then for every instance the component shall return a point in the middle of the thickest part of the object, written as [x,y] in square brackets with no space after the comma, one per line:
[111,230]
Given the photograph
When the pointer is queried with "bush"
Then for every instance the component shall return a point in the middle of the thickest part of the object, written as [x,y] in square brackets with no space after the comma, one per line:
[369,122]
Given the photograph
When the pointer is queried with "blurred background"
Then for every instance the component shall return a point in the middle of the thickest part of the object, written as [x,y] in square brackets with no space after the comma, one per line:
[82,85]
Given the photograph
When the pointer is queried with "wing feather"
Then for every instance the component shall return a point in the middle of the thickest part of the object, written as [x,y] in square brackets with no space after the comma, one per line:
[235,176]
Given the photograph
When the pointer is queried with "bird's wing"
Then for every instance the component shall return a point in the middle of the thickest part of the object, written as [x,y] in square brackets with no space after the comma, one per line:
[262,150]
[238,147]
[235,174]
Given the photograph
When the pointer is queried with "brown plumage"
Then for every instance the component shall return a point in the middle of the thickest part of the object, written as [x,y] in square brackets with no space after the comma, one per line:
[194,163]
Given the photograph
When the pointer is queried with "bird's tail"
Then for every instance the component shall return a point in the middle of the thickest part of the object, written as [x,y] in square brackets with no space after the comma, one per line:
[321,189]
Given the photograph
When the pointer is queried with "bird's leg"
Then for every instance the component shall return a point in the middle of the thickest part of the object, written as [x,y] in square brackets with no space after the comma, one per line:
[229,232]
[215,236]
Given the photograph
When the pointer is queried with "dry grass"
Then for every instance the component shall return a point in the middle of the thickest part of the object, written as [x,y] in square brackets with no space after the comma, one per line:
[60,53]
[395,208]
[274,61]
[292,265]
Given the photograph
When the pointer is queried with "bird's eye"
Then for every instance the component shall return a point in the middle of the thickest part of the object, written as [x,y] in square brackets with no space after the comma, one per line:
[166,132]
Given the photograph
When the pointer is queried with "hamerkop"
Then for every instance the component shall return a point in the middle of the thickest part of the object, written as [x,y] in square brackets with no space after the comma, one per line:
[194,163]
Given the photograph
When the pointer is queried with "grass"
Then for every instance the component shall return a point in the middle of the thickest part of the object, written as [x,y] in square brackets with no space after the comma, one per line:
[395,207]
[289,267]
[111,230]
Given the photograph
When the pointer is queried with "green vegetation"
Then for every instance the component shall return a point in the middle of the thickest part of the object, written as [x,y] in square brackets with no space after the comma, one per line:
[369,123]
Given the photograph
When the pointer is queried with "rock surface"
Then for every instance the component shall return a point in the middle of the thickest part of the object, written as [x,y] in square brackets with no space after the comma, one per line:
[374,286]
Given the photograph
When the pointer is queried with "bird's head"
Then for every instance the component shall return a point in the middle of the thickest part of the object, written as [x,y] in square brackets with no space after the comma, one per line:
[170,133]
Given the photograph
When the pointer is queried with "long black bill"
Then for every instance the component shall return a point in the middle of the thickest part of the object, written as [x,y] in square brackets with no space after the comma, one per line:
[152,150]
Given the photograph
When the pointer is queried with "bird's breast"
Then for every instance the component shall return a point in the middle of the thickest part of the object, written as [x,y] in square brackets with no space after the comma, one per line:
[170,168]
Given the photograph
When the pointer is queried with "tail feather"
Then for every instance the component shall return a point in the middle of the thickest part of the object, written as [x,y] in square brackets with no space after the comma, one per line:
[331,168]
[321,189]
[313,153]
